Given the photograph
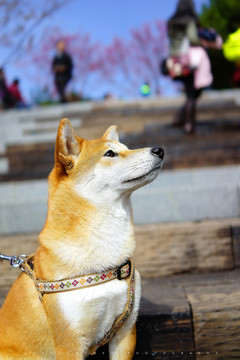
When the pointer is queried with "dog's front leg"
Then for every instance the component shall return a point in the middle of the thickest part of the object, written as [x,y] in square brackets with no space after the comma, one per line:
[123,344]
[67,342]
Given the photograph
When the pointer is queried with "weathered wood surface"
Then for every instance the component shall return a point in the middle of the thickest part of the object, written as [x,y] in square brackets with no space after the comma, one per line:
[211,301]
[164,326]
[216,318]
[162,249]
[166,249]
[166,319]
[214,302]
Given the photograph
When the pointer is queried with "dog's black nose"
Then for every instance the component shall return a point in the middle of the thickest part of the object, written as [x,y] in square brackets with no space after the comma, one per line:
[158,151]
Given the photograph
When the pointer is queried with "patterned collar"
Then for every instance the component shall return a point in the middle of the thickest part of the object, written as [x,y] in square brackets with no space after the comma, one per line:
[120,272]
[26,264]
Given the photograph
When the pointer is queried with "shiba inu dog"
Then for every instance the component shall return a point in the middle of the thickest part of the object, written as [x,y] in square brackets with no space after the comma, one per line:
[89,230]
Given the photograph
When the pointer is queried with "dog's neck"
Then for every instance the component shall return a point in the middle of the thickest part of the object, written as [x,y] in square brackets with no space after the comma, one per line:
[81,238]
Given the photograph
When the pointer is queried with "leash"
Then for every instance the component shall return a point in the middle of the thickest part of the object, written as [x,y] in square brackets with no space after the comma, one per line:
[15,261]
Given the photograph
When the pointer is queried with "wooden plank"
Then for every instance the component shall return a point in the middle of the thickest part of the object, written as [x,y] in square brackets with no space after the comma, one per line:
[166,249]
[164,325]
[216,318]
[162,249]
[215,286]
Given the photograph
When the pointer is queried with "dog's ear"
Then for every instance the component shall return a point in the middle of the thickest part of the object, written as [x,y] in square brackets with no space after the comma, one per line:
[111,134]
[67,144]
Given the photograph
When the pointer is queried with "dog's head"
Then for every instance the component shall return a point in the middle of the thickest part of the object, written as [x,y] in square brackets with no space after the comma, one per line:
[103,168]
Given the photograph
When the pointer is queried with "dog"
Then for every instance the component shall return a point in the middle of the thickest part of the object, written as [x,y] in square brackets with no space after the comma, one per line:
[88,230]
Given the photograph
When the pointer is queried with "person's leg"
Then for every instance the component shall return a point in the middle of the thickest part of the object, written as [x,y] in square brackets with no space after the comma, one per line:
[60,85]
[8,101]
[180,117]
[190,116]
[190,106]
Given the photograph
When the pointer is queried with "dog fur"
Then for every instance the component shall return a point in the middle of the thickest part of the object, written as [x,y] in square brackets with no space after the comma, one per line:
[89,229]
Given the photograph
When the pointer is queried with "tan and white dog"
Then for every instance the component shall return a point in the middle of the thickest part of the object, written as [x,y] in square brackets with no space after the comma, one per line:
[89,229]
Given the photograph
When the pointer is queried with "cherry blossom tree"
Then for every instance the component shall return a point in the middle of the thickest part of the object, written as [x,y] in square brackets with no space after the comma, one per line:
[121,67]
[130,63]
[18,21]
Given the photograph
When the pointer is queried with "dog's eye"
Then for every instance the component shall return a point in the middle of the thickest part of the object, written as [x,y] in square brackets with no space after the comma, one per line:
[110,153]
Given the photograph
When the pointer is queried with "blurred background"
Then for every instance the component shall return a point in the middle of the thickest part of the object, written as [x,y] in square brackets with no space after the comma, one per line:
[167,73]
[98,36]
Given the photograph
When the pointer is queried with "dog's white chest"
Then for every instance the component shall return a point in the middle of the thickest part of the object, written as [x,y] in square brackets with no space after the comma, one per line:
[92,311]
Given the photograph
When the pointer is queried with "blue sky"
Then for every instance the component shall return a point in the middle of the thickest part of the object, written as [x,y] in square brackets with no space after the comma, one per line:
[104,19]
[108,18]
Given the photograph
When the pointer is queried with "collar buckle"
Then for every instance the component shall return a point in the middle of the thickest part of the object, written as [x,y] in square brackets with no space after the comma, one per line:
[119,270]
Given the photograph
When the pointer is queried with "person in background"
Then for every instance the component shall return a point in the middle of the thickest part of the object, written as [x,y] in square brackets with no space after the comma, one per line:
[16,95]
[62,68]
[6,101]
[183,29]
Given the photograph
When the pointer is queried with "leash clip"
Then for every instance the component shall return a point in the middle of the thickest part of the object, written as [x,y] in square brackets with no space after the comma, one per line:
[15,261]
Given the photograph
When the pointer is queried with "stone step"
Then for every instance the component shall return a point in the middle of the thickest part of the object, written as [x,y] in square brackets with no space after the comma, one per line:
[27,137]
[180,195]
[35,161]
[17,124]
[216,143]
